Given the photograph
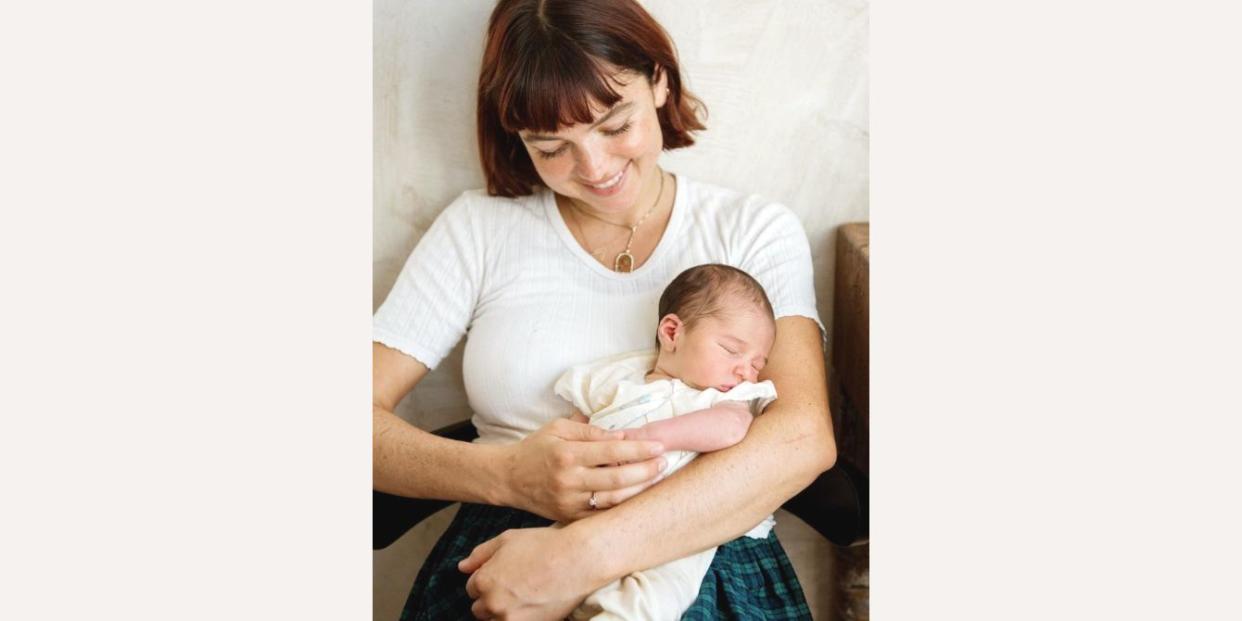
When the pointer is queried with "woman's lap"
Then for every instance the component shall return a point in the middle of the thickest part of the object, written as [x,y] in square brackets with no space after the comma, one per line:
[748,579]
[440,589]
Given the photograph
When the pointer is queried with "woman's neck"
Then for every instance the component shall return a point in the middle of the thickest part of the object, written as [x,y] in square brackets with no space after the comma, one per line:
[648,204]
[604,238]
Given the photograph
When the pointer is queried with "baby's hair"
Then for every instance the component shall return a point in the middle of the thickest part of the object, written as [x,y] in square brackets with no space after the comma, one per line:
[710,290]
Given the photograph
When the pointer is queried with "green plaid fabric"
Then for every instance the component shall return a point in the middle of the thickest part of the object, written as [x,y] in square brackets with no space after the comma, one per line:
[748,579]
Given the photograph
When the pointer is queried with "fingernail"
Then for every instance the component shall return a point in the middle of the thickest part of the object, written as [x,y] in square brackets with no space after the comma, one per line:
[657,447]
[663,464]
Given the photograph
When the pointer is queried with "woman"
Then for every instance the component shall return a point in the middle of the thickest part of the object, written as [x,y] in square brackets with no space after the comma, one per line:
[559,262]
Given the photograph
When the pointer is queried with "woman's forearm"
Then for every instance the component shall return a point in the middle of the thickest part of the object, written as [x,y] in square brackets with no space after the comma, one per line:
[710,501]
[721,495]
[407,461]
[410,462]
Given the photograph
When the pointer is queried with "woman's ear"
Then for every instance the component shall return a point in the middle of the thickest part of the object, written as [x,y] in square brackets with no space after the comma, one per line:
[659,86]
[669,332]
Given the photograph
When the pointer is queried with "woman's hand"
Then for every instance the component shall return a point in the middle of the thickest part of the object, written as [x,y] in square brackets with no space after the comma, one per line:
[553,471]
[532,573]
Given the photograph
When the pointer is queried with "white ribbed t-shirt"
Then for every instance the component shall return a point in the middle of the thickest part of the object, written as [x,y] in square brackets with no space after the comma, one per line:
[508,274]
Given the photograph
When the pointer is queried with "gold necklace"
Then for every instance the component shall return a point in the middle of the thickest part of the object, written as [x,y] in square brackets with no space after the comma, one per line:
[599,250]
[624,257]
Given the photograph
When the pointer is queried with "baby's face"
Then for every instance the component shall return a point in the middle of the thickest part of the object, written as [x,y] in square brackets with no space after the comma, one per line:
[721,352]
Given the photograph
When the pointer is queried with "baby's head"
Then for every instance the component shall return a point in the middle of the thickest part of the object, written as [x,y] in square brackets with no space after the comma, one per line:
[716,328]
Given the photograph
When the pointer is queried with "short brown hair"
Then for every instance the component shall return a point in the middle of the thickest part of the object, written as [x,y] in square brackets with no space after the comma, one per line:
[706,290]
[543,63]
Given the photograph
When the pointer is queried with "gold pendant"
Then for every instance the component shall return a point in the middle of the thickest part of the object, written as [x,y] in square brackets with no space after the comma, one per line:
[626,259]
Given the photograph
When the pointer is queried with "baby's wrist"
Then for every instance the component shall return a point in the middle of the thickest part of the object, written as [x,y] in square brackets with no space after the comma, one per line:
[640,433]
[652,432]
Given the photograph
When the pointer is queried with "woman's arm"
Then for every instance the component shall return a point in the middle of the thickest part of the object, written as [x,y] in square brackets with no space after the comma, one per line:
[550,473]
[408,461]
[712,500]
[721,495]
[701,431]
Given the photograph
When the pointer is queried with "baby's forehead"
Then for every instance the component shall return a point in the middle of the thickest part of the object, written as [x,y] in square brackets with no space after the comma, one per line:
[746,317]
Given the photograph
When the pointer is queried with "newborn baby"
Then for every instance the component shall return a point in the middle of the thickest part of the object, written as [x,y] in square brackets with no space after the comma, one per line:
[697,392]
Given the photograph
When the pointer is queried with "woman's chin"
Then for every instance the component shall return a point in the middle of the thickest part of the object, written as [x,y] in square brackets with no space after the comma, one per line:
[615,208]
[620,187]
[618,207]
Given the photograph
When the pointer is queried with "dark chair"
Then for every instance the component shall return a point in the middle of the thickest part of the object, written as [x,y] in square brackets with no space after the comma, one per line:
[835,504]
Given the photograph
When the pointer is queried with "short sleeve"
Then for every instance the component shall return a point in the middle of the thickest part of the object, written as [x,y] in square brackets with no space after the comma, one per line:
[757,396]
[771,245]
[431,305]
[759,404]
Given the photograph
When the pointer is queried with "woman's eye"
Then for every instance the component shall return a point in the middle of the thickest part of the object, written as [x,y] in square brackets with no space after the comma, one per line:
[547,155]
[618,131]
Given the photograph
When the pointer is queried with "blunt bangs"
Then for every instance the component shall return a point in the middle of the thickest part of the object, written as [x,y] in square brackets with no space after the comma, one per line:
[553,89]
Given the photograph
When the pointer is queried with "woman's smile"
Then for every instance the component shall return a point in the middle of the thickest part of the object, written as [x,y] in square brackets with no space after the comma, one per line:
[610,186]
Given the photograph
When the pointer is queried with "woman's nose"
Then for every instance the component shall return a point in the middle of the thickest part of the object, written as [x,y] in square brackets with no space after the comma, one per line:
[591,163]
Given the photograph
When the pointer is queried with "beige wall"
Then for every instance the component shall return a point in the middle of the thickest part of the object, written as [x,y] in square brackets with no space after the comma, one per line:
[786,85]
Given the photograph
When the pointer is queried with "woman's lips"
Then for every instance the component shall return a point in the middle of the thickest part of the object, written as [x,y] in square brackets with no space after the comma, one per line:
[611,186]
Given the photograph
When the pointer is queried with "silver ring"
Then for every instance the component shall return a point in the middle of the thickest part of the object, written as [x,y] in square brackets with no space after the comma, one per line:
[594,504]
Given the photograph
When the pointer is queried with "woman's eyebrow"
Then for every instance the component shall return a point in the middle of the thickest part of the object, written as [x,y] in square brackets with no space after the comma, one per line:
[618,109]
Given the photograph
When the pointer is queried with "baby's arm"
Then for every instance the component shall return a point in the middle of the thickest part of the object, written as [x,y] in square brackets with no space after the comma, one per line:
[702,431]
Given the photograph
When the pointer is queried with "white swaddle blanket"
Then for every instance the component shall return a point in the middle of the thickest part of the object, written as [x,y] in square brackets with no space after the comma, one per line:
[614,394]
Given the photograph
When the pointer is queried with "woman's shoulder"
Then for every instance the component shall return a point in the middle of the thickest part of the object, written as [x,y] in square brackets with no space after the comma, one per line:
[733,208]
[478,207]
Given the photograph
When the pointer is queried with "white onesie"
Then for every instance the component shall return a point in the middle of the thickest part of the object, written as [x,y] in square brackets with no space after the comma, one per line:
[614,394]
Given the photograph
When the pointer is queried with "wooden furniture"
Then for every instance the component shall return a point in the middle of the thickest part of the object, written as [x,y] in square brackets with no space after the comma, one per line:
[851,332]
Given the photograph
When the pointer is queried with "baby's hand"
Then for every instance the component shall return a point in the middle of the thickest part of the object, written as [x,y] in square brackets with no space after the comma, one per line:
[736,406]
[737,417]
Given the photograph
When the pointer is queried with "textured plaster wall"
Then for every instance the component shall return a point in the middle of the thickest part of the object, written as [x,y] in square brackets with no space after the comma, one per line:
[785,83]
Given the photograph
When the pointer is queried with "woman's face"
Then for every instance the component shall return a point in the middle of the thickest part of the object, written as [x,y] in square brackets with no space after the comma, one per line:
[606,165]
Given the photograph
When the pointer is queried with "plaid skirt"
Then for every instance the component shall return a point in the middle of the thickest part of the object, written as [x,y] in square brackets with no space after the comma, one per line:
[748,579]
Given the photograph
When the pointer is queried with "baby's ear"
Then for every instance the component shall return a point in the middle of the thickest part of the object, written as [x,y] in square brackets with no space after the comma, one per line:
[669,332]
